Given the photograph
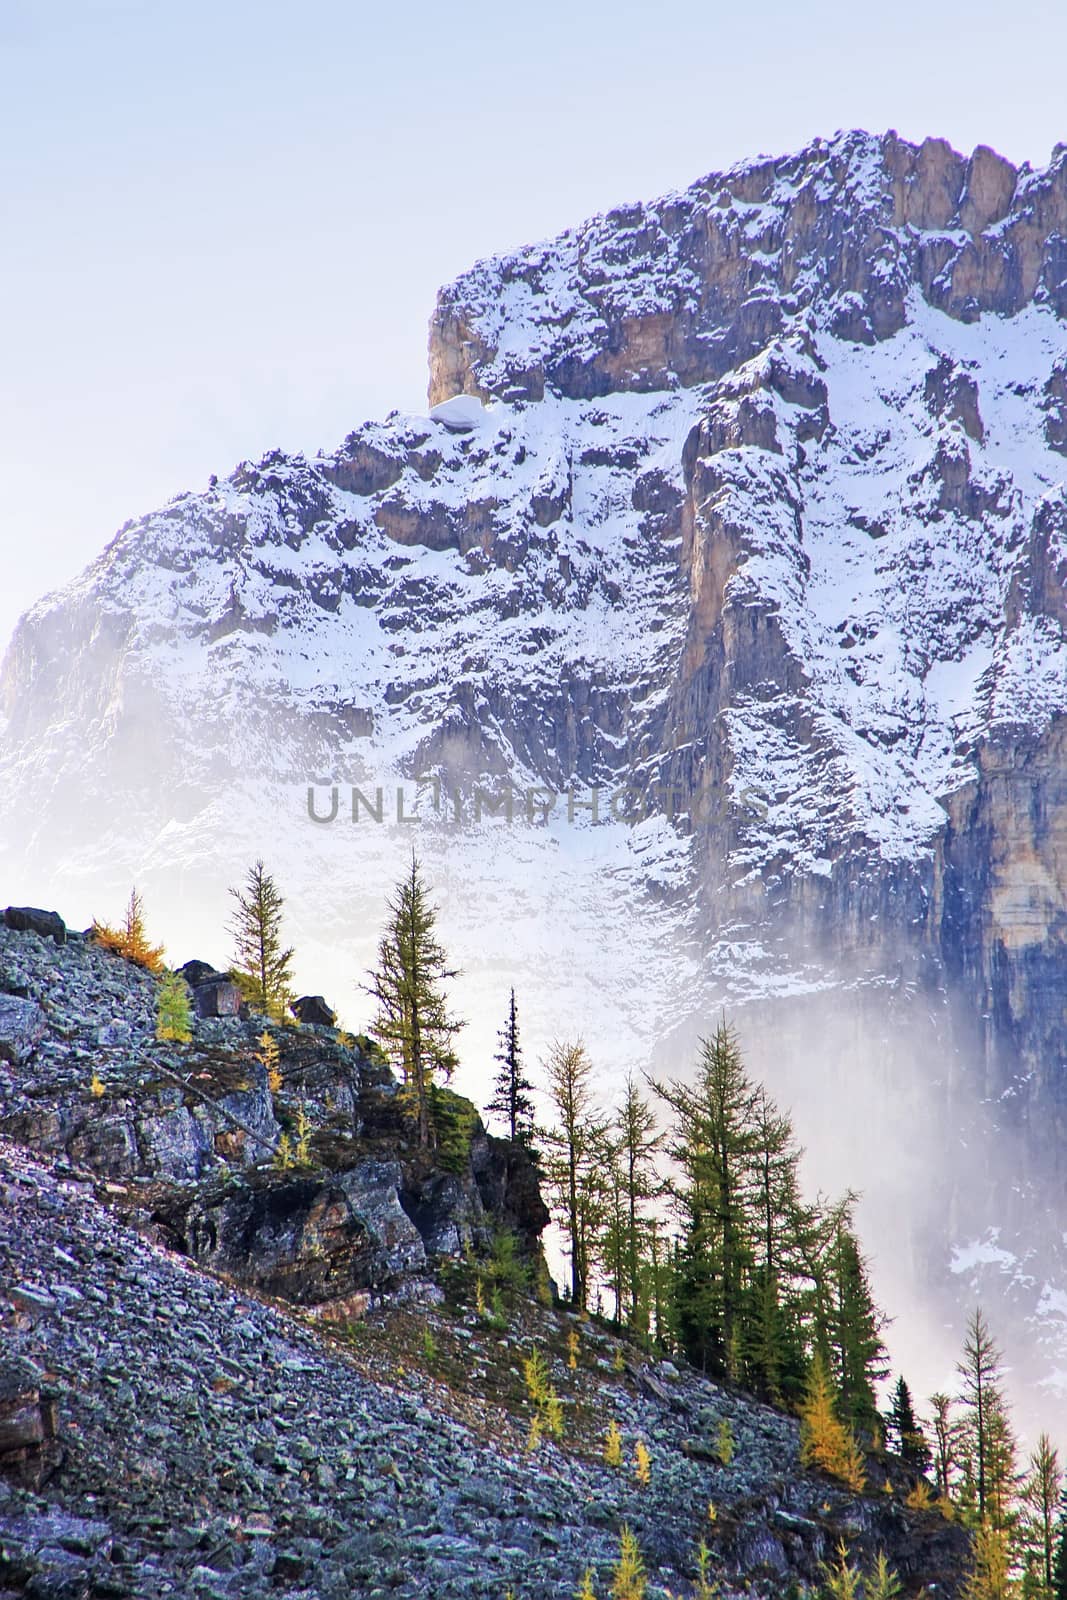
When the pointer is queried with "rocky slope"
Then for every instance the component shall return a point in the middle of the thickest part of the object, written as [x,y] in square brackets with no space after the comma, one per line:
[302,1398]
[763,533]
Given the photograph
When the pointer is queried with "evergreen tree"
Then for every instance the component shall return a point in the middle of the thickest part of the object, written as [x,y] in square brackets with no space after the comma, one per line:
[512,1090]
[858,1351]
[262,966]
[414,1026]
[1059,1562]
[174,1014]
[574,1147]
[1040,1495]
[987,1445]
[714,1145]
[905,1432]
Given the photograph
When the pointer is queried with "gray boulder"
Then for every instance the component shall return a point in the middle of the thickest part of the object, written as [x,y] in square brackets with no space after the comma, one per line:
[22,1027]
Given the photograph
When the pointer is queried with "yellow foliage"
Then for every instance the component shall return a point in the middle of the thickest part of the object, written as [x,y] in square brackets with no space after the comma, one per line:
[725,1442]
[585,1590]
[533,1437]
[921,1498]
[283,1155]
[619,1363]
[613,1446]
[269,1055]
[628,1581]
[883,1583]
[990,1576]
[573,1344]
[843,1579]
[824,1441]
[713,1511]
[130,940]
[479,1297]
[96,1085]
[302,1152]
[946,1507]
[707,1588]
[548,1408]
[642,1464]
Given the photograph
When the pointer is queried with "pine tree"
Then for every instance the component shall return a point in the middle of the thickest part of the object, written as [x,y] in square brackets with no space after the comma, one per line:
[512,1089]
[131,939]
[174,1014]
[1040,1496]
[573,1152]
[904,1430]
[262,966]
[414,1026]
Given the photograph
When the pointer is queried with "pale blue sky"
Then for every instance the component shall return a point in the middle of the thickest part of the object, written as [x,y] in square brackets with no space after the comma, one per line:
[222,225]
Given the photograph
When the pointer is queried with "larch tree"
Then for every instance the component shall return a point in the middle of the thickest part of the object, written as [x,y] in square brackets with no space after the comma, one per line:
[262,967]
[1041,1492]
[944,1431]
[174,1012]
[512,1090]
[713,1141]
[414,1025]
[987,1445]
[1059,1561]
[131,938]
[573,1147]
[639,1142]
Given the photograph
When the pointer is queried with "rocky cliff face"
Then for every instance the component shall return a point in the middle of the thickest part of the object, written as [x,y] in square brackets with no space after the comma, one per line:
[762,533]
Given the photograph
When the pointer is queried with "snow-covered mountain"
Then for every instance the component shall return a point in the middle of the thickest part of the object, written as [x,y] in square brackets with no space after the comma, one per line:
[760,534]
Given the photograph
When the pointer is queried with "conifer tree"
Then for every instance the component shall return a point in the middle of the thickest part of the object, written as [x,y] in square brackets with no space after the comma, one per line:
[574,1148]
[986,1441]
[262,966]
[1040,1496]
[512,1089]
[714,1142]
[904,1430]
[414,1025]
[944,1430]
[174,1014]
[131,940]
[825,1441]
[1059,1561]
[990,1577]
[858,1351]
[639,1142]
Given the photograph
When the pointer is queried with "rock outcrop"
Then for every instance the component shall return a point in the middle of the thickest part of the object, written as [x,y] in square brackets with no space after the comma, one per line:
[187,1139]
